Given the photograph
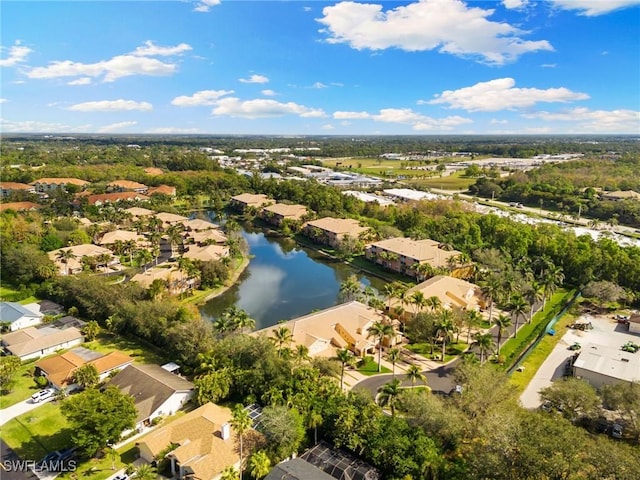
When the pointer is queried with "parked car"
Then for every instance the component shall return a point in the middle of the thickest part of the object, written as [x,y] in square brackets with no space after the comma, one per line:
[43,395]
[617,430]
[122,476]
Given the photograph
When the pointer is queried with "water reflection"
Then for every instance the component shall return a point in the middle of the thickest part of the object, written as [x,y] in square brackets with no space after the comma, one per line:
[284,281]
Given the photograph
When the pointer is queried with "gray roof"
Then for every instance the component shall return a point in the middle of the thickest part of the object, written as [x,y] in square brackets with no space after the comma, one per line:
[48,307]
[30,340]
[150,386]
[12,311]
[297,469]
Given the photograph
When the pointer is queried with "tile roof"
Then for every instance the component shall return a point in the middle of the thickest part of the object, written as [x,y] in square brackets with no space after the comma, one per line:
[115,197]
[339,226]
[170,217]
[253,199]
[452,292]
[128,184]
[122,235]
[19,206]
[30,340]
[162,190]
[207,253]
[150,386]
[425,250]
[285,210]
[139,211]
[15,186]
[60,181]
[199,224]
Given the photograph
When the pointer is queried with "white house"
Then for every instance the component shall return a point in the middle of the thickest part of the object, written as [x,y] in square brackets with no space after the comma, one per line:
[602,365]
[156,391]
[34,342]
[16,316]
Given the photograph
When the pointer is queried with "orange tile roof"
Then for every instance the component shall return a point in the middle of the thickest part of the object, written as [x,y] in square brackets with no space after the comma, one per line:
[59,181]
[116,196]
[153,171]
[15,186]
[162,190]
[126,184]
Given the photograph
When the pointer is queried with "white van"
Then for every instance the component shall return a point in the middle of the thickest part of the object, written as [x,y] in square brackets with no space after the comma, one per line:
[43,395]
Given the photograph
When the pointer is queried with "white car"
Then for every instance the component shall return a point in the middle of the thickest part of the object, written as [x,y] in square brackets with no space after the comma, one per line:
[42,395]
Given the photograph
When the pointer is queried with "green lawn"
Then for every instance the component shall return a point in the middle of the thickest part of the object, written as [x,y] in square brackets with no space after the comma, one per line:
[9,294]
[38,432]
[454,181]
[141,352]
[424,348]
[370,367]
[23,387]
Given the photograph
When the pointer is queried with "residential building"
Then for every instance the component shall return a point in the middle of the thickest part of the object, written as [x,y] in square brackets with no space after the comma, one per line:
[278,212]
[169,219]
[153,171]
[47,185]
[19,206]
[114,197]
[205,237]
[7,188]
[331,231]
[297,469]
[198,225]
[619,195]
[137,212]
[39,342]
[175,280]
[246,200]
[341,326]
[74,265]
[205,444]
[60,368]
[403,255]
[603,365]
[206,253]
[126,186]
[14,316]
[453,293]
[155,391]
[110,238]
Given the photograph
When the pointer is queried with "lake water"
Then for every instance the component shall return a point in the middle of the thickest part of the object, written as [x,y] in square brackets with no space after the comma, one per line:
[284,281]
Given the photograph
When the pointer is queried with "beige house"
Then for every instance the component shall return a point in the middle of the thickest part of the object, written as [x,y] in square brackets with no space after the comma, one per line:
[169,219]
[176,281]
[127,186]
[276,213]
[19,206]
[198,225]
[205,237]
[110,238]
[206,444]
[246,200]
[453,293]
[34,342]
[620,195]
[46,185]
[342,326]
[206,253]
[167,190]
[403,255]
[7,188]
[137,212]
[331,231]
[74,265]
[113,197]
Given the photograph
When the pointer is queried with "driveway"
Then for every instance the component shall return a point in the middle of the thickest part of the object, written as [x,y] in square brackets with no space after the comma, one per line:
[18,409]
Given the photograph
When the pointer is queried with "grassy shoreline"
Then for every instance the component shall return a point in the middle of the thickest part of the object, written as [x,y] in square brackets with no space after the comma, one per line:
[201,297]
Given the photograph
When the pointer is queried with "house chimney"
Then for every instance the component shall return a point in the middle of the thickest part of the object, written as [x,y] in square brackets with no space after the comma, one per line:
[225,431]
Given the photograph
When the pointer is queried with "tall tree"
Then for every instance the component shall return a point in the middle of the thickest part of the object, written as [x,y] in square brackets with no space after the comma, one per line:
[394,355]
[241,423]
[381,331]
[66,255]
[259,464]
[282,338]
[519,307]
[345,357]
[503,322]
[388,395]
[414,374]
[484,342]
[86,376]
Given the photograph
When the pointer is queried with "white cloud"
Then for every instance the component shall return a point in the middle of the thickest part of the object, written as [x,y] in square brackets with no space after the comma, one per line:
[203,97]
[514,4]
[111,106]
[593,121]
[262,108]
[500,94]
[112,69]
[2,100]
[328,126]
[495,121]
[447,25]
[152,50]
[447,123]
[255,79]
[268,93]
[319,85]
[17,54]
[31,126]
[80,81]
[548,65]
[351,115]
[397,115]
[592,8]
[204,6]
[116,127]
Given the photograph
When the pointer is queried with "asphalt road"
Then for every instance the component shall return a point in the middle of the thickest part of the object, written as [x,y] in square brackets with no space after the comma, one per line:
[9,467]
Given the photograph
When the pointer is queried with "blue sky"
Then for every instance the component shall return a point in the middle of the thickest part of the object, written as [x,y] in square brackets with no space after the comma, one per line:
[311,67]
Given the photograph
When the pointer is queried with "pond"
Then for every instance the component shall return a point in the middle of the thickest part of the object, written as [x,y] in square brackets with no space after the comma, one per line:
[284,281]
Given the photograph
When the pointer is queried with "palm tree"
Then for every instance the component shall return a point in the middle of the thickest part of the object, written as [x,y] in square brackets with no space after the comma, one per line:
[314,420]
[302,353]
[533,295]
[550,282]
[64,255]
[424,271]
[472,319]
[281,336]
[128,248]
[259,465]
[381,330]
[156,288]
[484,341]
[241,422]
[519,306]
[491,290]
[418,300]
[229,473]
[390,290]
[91,330]
[393,355]
[444,328]
[143,258]
[145,472]
[433,303]
[350,288]
[503,323]
[389,394]
[174,235]
[345,357]
[104,259]
[414,374]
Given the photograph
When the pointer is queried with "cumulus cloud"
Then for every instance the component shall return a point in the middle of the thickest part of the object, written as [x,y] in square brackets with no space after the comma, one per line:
[328,126]
[151,50]
[34,126]
[112,69]
[255,79]
[203,97]
[80,81]
[446,25]
[514,4]
[17,54]
[405,116]
[593,8]
[204,6]
[2,100]
[495,121]
[116,127]
[262,108]
[319,85]
[501,94]
[111,106]
[350,115]
[268,93]
[592,121]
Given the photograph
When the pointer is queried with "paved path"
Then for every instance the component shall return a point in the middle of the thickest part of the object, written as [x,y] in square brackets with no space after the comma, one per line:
[18,409]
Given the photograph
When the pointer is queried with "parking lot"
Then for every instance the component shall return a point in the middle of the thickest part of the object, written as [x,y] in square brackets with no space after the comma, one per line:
[606,331]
